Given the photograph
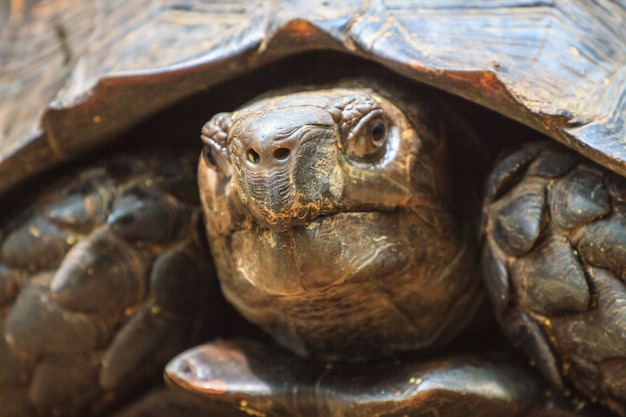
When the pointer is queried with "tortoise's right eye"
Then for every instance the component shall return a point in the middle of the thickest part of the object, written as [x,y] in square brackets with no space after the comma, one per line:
[209,159]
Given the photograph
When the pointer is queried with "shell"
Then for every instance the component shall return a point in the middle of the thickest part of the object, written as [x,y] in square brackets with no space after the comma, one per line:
[75,74]
[83,71]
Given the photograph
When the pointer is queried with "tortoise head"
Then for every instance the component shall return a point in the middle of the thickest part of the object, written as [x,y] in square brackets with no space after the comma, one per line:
[330,219]
[302,156]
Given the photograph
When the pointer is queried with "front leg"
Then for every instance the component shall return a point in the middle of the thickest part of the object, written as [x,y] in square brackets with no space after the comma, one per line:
[243,378]
[102,281]
[555,261]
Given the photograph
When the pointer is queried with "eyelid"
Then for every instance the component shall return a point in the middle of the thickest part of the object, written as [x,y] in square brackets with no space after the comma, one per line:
[364,122]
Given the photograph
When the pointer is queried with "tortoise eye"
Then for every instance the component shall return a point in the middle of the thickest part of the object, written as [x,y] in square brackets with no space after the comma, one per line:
[209,159]
[367,142]
[378,132]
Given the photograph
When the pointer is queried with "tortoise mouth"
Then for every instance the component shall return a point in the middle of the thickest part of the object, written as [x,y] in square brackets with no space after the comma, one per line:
[323,252]
[307,216]
[350,275]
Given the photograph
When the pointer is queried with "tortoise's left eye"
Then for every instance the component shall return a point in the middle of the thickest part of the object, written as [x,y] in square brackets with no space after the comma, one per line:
[378,132]
[367,144]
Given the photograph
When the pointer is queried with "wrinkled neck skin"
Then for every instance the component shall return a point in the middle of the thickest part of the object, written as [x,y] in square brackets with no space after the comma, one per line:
[332,224]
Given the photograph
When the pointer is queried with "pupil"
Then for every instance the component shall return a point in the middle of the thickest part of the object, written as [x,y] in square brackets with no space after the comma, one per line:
[378,132]
[208,156]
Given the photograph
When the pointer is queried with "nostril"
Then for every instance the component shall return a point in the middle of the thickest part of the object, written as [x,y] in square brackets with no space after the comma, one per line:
[253,156]
[281,154]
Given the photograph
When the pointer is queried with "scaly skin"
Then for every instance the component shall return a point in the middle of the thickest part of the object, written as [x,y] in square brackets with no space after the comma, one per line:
[333,225]
[87,276]
[554,263]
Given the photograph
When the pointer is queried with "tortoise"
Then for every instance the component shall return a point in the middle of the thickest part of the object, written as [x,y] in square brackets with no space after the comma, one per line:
[106,275]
